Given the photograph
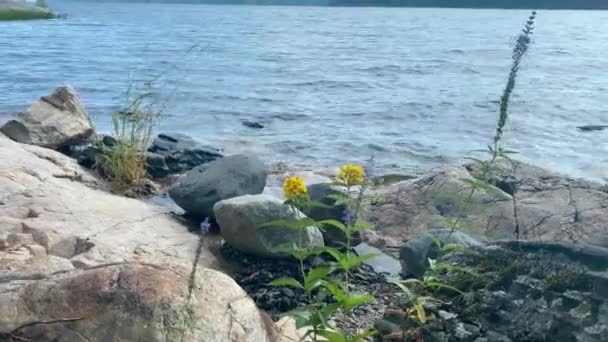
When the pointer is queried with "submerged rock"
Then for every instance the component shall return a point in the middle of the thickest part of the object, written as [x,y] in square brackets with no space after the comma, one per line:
[53,121]
[179,153]
[590,128]
[240,220]
[252,124]
[205,185]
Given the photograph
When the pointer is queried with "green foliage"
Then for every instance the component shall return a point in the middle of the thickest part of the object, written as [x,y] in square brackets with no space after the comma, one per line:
[125,162]
[417,303]
[24,14]
[320,283]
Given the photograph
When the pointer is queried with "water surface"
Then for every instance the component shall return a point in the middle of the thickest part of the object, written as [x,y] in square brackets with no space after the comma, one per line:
[415,87]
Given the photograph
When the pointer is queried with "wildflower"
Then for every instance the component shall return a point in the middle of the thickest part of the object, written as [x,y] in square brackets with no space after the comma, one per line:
[294,188]
[351,175]
[205,225]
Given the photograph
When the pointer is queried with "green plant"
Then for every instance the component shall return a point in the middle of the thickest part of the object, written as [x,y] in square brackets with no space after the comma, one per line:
[320,283]
[125,162]
[19,14]
[484,169]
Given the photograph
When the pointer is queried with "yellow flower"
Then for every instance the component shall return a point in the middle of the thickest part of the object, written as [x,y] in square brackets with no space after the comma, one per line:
[294,187]
[350,175]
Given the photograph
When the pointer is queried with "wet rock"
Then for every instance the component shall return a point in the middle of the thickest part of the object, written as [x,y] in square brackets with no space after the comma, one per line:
[53,121]
[180,152]
[205,185]
[156,165]
[381,263]
[590,128]
[415,253]
[240,220]
[252,124]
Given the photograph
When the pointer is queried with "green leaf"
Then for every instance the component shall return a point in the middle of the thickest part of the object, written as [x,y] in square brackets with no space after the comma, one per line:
[286,281]
[402,284]
[434,284]
[354,261]
[452,247]
[435,240]
[315,277]
[333,336]
[336,291]
[317,204]
[353,300]
[335,223]
[334,252]
[300,254]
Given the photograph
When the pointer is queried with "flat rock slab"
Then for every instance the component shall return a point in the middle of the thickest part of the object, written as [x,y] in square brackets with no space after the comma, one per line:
[382,263]
[122,268]
[545,206]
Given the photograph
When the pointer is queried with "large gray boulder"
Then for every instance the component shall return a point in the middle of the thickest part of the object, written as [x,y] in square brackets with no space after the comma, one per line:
[240,220]
[176,153]
[200,188]
[53,121]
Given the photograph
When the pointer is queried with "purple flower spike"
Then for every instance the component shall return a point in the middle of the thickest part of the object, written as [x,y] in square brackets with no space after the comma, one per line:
[205,225]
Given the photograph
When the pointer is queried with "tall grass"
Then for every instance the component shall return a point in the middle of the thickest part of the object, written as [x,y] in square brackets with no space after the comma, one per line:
[125,162]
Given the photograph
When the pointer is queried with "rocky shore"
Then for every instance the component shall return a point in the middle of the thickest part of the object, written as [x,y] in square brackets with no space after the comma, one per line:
[80,263]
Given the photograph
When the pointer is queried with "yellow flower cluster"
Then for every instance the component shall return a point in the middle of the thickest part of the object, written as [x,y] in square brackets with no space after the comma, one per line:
[350,175]
[294,187]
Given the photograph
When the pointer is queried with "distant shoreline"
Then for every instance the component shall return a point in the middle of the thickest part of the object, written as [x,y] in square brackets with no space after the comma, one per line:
[507,5]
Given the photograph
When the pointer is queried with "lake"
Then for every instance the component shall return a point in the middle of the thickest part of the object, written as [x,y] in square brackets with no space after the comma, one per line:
[416,88]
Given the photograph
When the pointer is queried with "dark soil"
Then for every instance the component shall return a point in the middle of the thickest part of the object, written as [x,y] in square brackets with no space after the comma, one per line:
[255,274]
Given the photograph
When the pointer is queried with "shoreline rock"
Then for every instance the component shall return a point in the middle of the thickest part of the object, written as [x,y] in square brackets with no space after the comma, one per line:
[53,121]
[174,153]
[241,219]
[205,185]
